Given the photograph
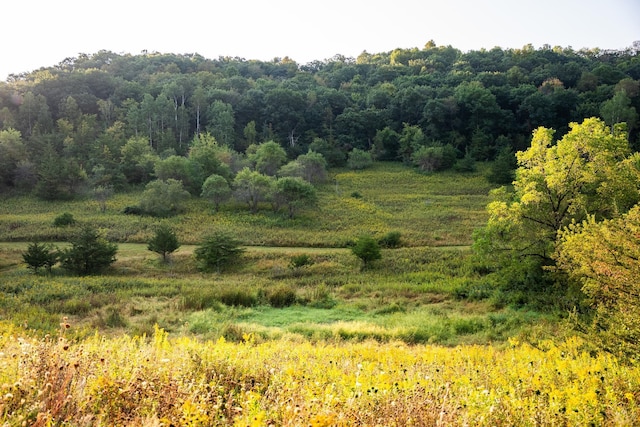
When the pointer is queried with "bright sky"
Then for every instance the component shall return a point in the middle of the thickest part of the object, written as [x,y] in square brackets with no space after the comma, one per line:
[39,33]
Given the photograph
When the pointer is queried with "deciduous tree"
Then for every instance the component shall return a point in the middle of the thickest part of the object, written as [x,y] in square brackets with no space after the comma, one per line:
[605,258]
[587,172]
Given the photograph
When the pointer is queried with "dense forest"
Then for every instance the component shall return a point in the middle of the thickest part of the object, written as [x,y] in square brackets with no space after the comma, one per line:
[82,121]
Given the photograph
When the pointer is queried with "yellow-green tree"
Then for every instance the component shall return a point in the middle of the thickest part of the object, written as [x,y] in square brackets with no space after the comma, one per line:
[589,171]
[605,258]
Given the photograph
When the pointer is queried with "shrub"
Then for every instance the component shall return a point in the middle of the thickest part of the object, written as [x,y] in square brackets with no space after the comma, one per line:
[163,198]
[218,252]
[390,240]
[133,210]
[282,296]
[64,220]
[359,159]
[238,298]
[298,261]
[367,249]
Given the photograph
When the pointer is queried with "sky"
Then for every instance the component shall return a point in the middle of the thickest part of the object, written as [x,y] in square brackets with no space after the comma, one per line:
[42,33]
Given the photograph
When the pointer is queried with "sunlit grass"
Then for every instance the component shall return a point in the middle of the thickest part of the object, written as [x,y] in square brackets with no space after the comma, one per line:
[435,210]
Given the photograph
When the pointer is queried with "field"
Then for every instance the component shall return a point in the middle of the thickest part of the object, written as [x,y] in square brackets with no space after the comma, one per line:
[423,337]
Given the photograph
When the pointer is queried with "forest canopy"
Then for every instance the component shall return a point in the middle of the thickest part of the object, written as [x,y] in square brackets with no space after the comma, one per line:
[109,119]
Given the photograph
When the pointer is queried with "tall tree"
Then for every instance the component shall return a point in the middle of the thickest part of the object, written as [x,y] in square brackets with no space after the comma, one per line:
[587,172]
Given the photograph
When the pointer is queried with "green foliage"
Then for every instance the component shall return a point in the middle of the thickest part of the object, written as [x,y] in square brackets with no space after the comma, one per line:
[40,255]
[603,258]
[163,198]
[333,156]
[299,261]
[466,164]
[282,296]
[311,167]
[434,158]
[503,168]
[269,157]
[180,169]
[208,154]
[216,189]
[367,249]
[294,193]
[359,159]
[588,172]
[138,160]
[164,242]
[390,240]
[218,252]
[251,187]
[63,220]
[90,253]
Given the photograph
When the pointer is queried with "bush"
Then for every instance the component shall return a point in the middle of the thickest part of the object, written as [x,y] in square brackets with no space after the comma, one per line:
[282,296]
[390,240]
[359,159]
[219,251]
[298,261]
[133,210]
[367,249]
[238,298]
[163,198]
[64,220]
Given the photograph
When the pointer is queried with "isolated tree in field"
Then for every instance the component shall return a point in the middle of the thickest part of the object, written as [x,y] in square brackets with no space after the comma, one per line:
[588,172]
[164,242]
[218,251]
[294,193]
[216,189]
[367,249]
[163,198]
[40,255]
[604,258]
[251,187]
[89,253]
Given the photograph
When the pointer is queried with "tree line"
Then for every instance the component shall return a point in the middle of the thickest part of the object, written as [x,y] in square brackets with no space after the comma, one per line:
[84,121]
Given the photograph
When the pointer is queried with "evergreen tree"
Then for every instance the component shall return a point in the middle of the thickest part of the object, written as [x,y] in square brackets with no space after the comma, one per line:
[164,242]
[89,253]
[40,255]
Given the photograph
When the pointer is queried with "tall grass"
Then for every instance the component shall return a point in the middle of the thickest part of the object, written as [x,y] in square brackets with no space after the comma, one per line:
[439,209]
[160,380]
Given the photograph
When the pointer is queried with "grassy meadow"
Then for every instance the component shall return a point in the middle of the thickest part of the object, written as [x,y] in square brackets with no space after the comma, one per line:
[422,337]
[429,210]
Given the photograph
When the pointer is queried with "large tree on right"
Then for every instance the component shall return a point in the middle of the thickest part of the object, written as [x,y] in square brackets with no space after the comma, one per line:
[589,172]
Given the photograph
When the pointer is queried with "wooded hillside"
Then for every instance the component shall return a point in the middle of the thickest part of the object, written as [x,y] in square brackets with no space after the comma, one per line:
[78,115]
